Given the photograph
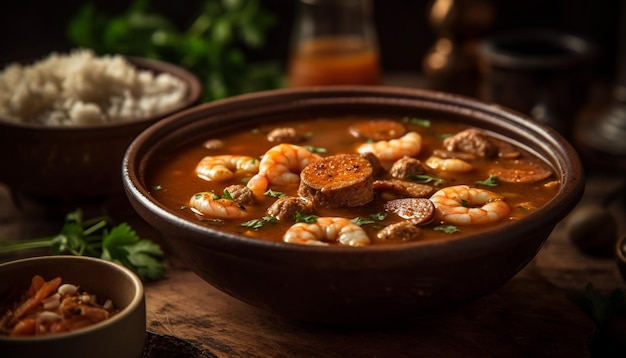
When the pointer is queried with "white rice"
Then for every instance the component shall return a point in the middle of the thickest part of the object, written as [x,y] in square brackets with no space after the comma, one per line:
[79,88]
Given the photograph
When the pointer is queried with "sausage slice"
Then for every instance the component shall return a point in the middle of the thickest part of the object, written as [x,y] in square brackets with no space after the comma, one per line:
[343,180]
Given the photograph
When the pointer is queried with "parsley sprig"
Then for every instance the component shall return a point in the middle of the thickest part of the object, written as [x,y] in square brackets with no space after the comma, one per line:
[95,237]
[492,181]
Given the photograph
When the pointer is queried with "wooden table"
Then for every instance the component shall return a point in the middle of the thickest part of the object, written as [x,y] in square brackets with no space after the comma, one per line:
[534,315]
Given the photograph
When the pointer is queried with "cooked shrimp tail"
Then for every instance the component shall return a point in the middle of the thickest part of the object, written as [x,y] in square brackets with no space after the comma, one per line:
[224,167]
[409,144]
[462,205]
[208,204]
[325,230]
[281,164]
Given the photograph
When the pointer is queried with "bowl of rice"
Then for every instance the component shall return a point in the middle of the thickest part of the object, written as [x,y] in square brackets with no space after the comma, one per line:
[66,120]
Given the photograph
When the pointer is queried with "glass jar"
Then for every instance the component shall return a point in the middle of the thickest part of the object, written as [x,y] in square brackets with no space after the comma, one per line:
[333,42]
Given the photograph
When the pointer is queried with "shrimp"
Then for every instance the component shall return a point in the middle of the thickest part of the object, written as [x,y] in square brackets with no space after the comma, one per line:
[448,164]
[409,144]
[462,205]
[223,167]
[281,165]
[325,229]
[208,204]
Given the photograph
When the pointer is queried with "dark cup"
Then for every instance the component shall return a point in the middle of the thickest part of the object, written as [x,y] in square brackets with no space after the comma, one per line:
[542,73]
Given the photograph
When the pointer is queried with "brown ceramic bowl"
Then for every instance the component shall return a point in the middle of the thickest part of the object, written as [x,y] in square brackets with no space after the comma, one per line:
[620,255]
[71,165]
[122,335]
[348,285]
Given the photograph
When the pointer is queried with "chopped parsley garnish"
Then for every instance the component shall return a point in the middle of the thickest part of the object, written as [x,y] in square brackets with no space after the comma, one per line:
[378,216]
[362,221]
[417,121]
[305,218]
[274,194]
[448,229]
[157,187]
[226,195]
[491,181]
[259,223]
[371,219]
[425,179]
[313,149]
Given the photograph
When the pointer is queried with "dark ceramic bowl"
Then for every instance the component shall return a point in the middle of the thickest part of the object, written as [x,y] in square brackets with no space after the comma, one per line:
[122,335]
[348,285]
[620,255]
[71,165]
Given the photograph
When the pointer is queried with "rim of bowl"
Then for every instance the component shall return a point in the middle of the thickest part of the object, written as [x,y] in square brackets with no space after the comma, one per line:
[136,302]
[549,141]
[194,91]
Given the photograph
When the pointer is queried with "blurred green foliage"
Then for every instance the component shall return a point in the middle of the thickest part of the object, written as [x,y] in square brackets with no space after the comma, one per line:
[213,47]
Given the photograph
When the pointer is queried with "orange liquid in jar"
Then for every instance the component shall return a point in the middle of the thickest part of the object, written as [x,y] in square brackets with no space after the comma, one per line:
[333,61]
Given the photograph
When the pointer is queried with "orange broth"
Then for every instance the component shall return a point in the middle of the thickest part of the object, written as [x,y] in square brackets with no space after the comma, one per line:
[174,176]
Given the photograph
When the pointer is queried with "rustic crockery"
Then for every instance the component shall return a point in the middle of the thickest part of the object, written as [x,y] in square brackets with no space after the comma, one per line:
[73,165]
[348,285]
[542,73]
[122,335]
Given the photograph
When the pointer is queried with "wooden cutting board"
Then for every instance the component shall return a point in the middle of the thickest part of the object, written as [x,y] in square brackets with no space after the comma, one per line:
[527,317]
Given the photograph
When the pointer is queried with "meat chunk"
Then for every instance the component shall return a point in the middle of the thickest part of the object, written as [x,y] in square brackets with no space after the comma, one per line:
[419,211]
[405,167]
[446,154]
[521,171]
[401,231]
[285,135]
[285,208]
[472,141]
[241,194]
[506,150]
[377,168]
[343,180]
[402,188]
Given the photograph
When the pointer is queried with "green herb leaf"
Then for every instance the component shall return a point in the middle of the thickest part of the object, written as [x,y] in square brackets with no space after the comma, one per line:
[226,195]
[448,229]
[417,121]
[320,150]
[274,194]
[362,221]
[491,181]
[93,238]
[603,308]
[425,179]
[259,223]
[305,218]
[213,47]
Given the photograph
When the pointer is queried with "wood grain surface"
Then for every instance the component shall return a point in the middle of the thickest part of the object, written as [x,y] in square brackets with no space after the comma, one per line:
[527,317]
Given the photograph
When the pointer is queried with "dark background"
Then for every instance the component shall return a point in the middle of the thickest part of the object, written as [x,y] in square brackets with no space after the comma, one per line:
[33,29]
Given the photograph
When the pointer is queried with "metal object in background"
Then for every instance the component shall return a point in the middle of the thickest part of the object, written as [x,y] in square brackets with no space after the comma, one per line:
[451,65]
[602,141]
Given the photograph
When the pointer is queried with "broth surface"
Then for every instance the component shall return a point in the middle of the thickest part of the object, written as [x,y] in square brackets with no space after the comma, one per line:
[173,179]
